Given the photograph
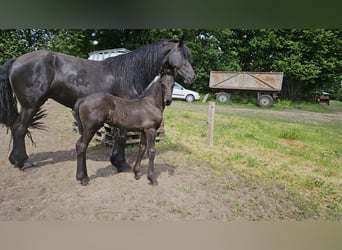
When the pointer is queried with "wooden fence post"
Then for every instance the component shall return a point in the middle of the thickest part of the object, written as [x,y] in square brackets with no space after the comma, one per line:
[211,113]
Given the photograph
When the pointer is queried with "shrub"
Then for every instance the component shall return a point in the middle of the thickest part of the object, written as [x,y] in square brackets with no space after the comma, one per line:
[339,95]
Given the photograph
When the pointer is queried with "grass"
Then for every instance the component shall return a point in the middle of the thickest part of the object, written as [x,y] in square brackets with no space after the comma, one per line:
[280,104]
[304,159]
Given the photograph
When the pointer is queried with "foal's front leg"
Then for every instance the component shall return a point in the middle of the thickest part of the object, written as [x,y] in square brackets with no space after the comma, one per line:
[142,150]
[150,139]
[81,150]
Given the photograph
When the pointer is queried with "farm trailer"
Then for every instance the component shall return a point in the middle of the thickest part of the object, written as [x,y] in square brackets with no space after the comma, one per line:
[266,84]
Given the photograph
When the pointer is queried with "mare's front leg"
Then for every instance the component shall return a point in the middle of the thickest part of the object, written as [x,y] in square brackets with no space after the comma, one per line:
[150,139]
[142,150]
[118,154]
[18,155]
[81,150]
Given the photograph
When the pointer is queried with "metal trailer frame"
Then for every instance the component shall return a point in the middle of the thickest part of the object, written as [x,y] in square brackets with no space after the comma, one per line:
[266,84]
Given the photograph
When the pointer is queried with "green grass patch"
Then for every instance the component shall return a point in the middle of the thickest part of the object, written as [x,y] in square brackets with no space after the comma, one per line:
[305,106]
[282,104]
[305,159]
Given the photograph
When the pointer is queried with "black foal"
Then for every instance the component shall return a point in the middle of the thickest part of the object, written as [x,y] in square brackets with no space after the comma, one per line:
[143,114]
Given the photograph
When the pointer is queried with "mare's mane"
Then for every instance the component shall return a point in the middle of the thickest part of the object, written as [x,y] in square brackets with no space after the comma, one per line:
[156,80]
[146,57]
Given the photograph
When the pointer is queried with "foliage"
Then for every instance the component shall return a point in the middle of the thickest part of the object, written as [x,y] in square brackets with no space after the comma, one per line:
[67,41]
[310,59]
[13,43]
[339,95]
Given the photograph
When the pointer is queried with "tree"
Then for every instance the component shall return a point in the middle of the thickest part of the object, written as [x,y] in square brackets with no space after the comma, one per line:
[71,42]
[14,43]
[308,58]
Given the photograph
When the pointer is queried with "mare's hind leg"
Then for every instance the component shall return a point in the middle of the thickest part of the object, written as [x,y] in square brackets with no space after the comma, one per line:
[142,150]
[118,154]
[18,155]
[81,150]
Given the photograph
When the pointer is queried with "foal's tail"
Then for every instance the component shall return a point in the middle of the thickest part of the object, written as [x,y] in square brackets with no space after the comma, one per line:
[8,102]
[76,114]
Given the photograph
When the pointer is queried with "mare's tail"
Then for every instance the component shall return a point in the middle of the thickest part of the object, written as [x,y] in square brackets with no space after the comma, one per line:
[8,102]
[76,114]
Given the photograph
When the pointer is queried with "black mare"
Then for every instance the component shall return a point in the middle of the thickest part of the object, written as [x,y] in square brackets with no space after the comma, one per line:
[143,114]
[34,77]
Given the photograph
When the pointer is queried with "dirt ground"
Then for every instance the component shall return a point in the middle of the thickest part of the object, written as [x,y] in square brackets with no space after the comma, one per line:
[50,192]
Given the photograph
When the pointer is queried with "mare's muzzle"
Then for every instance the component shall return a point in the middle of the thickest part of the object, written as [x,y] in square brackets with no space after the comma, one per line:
[168,101]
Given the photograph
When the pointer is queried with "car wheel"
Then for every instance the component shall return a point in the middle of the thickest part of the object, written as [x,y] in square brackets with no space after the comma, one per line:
[189,98]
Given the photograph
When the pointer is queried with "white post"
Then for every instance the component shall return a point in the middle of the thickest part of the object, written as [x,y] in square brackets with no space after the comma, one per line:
[211,113]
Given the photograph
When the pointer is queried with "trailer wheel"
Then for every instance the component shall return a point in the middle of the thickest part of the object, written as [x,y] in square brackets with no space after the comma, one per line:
[223,97]
[265,101]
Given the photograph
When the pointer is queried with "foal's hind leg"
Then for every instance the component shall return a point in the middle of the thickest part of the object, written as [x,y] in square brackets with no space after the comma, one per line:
[18,155]
[81,150]
[142,150]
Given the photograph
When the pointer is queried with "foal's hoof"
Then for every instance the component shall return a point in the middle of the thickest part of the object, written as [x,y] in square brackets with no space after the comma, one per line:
[153,181]
[137,175]
[85,181]
[121,165]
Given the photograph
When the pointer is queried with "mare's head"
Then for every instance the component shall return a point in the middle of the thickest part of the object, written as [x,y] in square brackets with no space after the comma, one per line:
[167,82]
[179,60]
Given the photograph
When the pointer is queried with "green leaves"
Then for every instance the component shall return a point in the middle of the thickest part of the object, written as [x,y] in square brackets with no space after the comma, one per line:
[310,59]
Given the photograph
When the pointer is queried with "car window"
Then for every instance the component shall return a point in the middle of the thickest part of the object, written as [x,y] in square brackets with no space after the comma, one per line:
[178,86]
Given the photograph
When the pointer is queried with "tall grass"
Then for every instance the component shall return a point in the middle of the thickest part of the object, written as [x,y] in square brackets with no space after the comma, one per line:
[303,159]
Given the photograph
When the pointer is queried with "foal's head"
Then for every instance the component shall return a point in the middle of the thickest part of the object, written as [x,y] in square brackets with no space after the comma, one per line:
[167,82]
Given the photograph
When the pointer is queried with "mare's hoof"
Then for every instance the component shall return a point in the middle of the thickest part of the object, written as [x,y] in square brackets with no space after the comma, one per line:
[124,167]
[27,164]
[121,166]
[13,161]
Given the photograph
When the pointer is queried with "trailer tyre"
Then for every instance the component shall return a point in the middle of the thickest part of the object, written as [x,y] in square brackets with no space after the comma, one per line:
[223,97]
[265,101]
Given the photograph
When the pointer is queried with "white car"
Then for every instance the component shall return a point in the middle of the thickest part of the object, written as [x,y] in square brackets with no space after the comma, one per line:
[179,92]
[100,55]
